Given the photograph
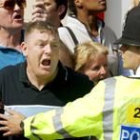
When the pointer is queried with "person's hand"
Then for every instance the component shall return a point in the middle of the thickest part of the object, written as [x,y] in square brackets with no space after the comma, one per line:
[39,12]
[11,123]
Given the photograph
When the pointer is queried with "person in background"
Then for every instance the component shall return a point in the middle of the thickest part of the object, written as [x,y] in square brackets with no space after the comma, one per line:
[65,56]
[49,10]
[41,81]
[91,59]
[85,26]
[11,34]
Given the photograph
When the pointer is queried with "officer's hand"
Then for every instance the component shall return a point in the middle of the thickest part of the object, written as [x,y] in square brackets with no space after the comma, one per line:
[11,123]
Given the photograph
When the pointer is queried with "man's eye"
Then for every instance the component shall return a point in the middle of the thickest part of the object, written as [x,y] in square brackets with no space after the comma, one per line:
[54,46]
[40,44]
[47,4]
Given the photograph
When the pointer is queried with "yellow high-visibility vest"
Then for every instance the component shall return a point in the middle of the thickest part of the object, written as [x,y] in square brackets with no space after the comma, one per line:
[111,111]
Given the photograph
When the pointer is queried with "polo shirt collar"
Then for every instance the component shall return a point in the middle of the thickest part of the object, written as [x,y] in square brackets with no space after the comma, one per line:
[62,75]
[22,73]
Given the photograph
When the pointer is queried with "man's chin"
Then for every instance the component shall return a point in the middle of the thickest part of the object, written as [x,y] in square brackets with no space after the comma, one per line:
[17,27]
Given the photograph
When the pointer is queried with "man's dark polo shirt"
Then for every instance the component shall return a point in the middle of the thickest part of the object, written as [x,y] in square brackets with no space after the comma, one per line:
[16,89]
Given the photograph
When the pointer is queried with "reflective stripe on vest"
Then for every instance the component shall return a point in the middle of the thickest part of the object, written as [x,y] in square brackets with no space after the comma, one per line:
[108,108]
[33,129]
[58,124]
[107,113]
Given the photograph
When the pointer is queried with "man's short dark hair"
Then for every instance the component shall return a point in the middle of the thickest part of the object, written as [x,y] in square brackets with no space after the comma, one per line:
[42,26]
[62,2]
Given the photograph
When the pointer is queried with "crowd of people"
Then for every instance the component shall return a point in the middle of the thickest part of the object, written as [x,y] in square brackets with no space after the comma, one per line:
[72,69]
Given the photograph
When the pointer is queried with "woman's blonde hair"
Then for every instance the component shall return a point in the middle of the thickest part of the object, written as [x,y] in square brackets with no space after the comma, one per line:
[86,51]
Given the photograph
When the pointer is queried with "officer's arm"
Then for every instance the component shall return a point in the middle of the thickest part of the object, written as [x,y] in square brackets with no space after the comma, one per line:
[82,117]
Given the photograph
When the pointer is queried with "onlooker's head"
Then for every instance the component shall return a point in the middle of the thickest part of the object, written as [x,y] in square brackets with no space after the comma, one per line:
[41,49]
[11,14]
[91,59]
[50,10]
[92,6]
[130,40]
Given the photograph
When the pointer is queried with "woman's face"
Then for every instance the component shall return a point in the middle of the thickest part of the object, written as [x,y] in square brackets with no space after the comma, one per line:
[97,68]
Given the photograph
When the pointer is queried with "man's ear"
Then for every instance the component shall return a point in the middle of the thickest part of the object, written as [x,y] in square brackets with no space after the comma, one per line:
[61,10]
[24,49]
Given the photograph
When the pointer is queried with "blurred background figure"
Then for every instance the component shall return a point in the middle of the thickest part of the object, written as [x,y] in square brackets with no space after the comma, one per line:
[91,59]
[83,25]
[11,34]
[65,56]
[52,11]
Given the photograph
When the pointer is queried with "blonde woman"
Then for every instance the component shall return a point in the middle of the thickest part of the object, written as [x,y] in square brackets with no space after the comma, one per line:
[91,59]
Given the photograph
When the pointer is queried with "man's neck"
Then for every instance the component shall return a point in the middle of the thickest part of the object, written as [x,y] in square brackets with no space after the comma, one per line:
[57,22]
[40,81]
[90,21]
[10,40]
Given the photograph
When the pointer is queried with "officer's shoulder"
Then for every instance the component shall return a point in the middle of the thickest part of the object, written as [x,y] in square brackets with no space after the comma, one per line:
[114,79]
